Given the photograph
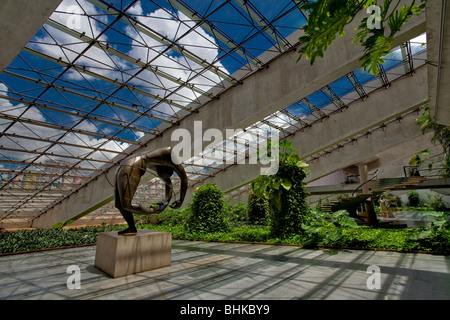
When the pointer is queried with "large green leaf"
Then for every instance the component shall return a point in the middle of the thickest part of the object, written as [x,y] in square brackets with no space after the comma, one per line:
[285,183]
[328,18]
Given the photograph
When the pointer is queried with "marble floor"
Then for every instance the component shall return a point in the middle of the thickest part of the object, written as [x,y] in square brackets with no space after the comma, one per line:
[225,271]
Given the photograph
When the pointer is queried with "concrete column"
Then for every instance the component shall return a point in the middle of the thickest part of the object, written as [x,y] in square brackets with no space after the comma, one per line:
[368,204]
[364,176]
[438,56]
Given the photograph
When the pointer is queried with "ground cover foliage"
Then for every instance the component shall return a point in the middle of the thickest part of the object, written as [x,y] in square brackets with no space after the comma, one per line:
[318,229]
[277,212]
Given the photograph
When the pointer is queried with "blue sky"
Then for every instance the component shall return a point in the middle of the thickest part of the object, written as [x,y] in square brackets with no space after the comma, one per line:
[157,94]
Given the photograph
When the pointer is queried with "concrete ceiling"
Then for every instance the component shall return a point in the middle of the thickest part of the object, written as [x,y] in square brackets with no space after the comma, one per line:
[20,20]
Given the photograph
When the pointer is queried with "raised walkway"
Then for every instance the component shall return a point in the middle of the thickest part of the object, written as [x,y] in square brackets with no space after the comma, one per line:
[224,271]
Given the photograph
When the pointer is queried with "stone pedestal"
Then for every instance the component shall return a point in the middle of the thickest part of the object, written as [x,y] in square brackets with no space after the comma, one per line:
[119,255]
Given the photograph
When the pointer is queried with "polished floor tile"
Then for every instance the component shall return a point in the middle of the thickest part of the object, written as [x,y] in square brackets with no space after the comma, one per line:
[225,271]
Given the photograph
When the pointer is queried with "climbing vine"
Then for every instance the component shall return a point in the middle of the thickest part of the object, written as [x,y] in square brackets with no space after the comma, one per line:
[441,135]
[207,210]
[286,193]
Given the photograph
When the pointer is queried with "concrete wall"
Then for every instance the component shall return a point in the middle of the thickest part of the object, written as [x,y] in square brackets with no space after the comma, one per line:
[334,178]
[19,22]
[438,51]
[382,105]
[365,150]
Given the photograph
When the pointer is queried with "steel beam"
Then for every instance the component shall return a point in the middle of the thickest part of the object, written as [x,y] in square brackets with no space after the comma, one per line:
[100,77]
[131,21]
[125,57]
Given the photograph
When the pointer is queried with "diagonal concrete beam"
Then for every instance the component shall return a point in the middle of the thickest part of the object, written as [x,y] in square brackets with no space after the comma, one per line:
[405,94]
[19,22]
[404,135]
[260,95]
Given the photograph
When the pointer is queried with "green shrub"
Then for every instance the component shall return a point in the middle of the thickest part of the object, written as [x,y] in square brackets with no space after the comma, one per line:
[435,237]
[326,228]
[287,220]
[286,193]
[414,199]
[169,217]
[237,214]
[436,202]
[207,210]
[258,208]
[252,234]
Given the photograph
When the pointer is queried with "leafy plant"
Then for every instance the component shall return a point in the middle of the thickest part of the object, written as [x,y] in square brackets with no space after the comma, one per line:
[285,191]
[28,240]
[414,199]
[275,185]
[436,202]
[328,19]
[416,161]
[326,228]
[236,214]
[441,135]
[435,236]
[172,217]
[207,210]
[377,43]
[258,208]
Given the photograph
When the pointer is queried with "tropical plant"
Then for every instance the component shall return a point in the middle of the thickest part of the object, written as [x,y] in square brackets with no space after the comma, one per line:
[326,227]
[414,199]
[436,235]
[328,18]
[236,214]
[258,208]
[285,191]
[441,135]
[416,161]
[436,202]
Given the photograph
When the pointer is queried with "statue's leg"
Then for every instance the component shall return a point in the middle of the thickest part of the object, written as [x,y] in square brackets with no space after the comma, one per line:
[128,216]
[127,181]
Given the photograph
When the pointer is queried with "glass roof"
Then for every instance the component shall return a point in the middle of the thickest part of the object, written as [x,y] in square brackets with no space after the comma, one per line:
[103,77]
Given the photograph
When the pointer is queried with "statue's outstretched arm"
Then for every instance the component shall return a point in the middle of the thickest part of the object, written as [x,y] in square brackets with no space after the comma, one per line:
[183,186]
[164,157]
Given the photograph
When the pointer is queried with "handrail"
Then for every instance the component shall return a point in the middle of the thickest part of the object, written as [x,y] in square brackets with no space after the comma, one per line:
[375,175]
[413,170]
[416,171]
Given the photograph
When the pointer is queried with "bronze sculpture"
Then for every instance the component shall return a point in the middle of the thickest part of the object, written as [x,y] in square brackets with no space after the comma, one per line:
[127,180]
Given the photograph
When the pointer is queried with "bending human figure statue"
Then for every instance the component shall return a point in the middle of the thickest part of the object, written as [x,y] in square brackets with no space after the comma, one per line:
[127,181]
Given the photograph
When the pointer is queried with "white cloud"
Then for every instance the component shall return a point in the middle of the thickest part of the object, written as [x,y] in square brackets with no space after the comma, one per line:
[143,47]
[94,59]
[198,42]
[37,131]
